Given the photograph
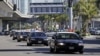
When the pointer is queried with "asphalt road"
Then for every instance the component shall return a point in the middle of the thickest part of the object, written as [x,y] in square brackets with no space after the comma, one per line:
[9,47]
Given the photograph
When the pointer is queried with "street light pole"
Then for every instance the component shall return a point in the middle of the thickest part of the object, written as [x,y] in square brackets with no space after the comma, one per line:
[70,4]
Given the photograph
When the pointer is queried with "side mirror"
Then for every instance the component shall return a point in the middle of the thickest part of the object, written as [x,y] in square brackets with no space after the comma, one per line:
[54,37]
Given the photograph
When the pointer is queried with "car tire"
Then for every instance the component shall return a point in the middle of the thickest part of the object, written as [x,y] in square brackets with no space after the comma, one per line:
[18,40]
[46,44]
[29,44]
[81,51]
[56,50]
[13,38]
[51,50]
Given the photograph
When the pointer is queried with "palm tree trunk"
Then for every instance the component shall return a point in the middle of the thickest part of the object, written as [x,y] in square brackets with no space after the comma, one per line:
[85,27]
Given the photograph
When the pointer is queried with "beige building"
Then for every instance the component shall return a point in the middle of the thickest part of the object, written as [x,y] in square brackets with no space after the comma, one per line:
[9,11]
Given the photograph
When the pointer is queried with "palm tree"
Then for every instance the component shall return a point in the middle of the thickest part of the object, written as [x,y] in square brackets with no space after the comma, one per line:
[87,9]
[61,19]
[44,21]
[48,21]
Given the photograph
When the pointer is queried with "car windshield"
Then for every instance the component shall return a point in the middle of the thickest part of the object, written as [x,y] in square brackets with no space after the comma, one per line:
[25,33]
[16,33]
[32,34]
[38,34]
[67,36]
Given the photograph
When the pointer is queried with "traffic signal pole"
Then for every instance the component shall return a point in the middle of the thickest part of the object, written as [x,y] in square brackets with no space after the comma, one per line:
[70,4]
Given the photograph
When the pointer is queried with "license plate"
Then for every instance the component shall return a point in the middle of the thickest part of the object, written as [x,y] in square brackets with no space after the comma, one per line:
[71,47]
[39,41]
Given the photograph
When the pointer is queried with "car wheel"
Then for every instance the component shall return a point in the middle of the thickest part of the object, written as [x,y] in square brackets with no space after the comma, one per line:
[81,52]
[18,40]
[13,38]
[51,50]
[46,44]
[29,43]
[56,50]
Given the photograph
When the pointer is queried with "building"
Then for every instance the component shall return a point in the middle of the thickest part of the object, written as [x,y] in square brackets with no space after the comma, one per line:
[58,0]
[22,5]
[12,10]
[6,11]
[47,8]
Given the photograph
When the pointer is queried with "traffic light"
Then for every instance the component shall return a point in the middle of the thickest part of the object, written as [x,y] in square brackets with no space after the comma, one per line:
[70,3]
[14,7]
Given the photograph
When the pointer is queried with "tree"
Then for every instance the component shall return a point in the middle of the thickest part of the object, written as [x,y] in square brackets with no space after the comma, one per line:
[15,26]
[27,26]
[61,19]
[87,9]
[47,19]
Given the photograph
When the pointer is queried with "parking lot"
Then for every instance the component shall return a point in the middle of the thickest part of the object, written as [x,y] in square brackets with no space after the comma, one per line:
[9,47]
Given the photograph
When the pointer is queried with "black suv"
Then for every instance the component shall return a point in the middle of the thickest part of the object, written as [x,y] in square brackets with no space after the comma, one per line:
[37,38]
[66,41]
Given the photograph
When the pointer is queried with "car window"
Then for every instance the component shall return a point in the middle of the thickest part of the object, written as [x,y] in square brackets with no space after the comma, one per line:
[67,36]
[16,33]
[25,33]
[32,34]
[39,34]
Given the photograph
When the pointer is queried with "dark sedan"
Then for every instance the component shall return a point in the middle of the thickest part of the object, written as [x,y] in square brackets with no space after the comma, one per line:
[66,41]
[22,36]
[37,38]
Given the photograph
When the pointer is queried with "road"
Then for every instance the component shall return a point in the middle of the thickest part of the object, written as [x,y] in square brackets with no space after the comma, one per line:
[9,47]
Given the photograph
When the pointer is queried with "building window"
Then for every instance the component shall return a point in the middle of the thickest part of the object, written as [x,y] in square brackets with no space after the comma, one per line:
[60,9]
[43,9]
[47,9]
[31,9]
[39,9]
[35,9]
[53,9]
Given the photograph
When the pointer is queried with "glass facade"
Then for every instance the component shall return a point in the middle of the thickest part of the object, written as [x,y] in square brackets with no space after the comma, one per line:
[58,0]
[46,3]
[47,8]
[22,5]
[36,1]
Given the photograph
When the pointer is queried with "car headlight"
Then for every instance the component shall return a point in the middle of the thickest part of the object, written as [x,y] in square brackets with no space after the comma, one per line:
[32,39]
[46,39]
[21,36]
[60,43]
[80,44]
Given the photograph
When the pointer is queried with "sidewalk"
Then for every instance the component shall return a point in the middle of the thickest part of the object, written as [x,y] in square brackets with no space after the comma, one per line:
[92,37]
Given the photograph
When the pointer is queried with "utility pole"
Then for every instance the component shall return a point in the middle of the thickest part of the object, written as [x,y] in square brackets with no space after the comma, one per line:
[70,5]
